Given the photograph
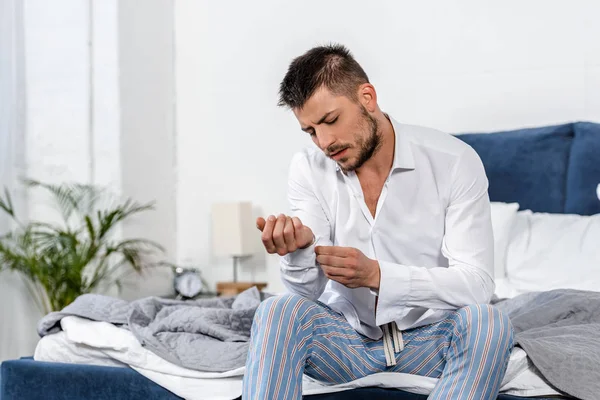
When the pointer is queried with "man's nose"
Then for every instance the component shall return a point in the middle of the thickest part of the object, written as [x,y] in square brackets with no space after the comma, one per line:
[325,138]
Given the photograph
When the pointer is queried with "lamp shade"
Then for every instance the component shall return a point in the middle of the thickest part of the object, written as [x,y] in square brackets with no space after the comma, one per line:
[233,228]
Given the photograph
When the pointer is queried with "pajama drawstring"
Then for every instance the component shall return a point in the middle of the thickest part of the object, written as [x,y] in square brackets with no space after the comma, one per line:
[392,343]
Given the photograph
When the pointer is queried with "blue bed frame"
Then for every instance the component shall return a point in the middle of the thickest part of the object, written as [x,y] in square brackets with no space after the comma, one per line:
[27,379]
[552,169]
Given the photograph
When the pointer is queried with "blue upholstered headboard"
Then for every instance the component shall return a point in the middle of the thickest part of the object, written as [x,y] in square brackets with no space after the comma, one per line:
[553,169]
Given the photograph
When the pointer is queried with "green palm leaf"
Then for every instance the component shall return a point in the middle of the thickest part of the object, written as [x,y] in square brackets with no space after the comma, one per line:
[60,263]
[6,204]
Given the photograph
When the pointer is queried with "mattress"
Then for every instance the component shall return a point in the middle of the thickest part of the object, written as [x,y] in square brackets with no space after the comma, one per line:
[103,344]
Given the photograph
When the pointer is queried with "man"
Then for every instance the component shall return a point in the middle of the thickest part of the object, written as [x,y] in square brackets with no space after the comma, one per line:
[388,254]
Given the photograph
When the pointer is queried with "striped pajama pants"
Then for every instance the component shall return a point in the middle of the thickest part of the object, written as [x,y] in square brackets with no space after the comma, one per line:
[292,336]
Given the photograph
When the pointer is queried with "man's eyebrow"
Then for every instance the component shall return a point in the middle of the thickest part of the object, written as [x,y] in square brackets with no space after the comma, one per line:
[320,121]
[324,117]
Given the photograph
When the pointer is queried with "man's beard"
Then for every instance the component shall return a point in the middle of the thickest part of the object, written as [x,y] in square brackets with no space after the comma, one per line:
[367,146]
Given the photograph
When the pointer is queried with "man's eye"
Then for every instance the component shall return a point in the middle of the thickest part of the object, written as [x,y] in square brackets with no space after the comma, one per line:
[332,121]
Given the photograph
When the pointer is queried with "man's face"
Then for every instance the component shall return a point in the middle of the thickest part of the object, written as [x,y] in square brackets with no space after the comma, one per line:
[342,128]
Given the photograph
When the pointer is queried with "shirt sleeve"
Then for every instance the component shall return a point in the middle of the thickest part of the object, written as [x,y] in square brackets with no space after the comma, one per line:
[468,245]
[299,270]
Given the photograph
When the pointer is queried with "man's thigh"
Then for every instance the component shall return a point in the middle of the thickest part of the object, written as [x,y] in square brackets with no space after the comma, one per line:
[339,354]
[425,350]
[469,333]
[305,333]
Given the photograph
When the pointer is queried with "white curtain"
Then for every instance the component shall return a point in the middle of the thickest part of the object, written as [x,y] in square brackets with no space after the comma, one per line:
[18,315]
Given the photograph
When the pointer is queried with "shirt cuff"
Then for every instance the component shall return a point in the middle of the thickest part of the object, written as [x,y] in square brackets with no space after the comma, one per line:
[394,291]
[301,258]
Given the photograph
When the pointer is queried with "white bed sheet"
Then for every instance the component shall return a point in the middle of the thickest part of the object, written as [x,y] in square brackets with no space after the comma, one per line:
[88,342]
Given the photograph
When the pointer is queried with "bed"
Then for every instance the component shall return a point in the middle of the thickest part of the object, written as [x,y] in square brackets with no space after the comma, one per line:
[553,170]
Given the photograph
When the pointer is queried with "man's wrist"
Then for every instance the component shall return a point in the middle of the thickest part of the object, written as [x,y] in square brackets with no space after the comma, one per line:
[376,278]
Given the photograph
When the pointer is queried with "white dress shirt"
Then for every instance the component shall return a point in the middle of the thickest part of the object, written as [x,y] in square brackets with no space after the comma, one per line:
[432,232]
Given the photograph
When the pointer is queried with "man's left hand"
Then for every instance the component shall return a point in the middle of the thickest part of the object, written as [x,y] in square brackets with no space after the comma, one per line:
[348,266]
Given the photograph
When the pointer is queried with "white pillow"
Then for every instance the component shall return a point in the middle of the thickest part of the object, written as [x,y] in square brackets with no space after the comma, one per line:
[552,251]
[503,217]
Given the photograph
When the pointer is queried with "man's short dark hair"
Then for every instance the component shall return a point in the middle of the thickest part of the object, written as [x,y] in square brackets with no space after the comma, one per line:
[331,66]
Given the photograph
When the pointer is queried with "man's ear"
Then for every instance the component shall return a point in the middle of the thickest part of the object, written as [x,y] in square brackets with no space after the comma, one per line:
[368,96]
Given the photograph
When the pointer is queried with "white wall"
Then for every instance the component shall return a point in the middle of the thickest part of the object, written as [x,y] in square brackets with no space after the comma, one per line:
[148,130]
[17,314]
[12,100]
[454,65]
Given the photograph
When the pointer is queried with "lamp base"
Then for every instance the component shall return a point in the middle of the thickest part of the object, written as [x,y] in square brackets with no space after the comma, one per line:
[235,288]
[236,262]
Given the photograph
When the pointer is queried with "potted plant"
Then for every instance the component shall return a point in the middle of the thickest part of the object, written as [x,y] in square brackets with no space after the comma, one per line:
[79,253]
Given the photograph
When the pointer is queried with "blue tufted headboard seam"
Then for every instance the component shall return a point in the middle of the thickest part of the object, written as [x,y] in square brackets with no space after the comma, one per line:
[571,137]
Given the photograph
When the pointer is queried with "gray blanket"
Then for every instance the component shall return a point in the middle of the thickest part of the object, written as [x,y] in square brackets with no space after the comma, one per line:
[206,335]
[560,332]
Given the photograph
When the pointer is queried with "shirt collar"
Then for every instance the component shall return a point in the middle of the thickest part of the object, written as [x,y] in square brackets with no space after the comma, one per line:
[403,155]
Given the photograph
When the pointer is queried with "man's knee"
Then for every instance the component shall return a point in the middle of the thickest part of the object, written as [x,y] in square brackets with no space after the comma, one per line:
[483,318]
[287,306]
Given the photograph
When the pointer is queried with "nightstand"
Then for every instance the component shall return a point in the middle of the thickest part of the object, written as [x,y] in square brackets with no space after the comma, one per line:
[201,295]
[235,288]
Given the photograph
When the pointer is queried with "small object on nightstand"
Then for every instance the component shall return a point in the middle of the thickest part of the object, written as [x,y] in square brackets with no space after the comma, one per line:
[235,288]
[187,282]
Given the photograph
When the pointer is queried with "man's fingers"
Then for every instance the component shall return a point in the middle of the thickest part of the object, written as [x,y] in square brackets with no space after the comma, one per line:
[335,272]
[282,234]
[278,238]
[344,276]
[267,234]
[304,235]
[289,235]
[260,223]
[333,251]
[333,261]
[297,223]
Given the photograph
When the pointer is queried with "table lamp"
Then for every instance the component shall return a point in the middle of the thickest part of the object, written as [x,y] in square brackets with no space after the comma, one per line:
[233,236]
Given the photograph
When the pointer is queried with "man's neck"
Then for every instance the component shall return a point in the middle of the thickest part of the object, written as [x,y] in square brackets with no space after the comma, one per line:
[381,162]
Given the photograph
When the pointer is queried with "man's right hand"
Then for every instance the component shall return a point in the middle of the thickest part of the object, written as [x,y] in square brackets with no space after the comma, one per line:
[283,235]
